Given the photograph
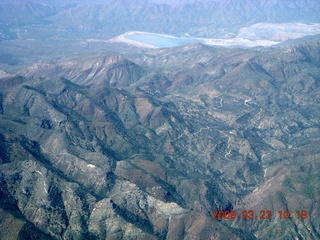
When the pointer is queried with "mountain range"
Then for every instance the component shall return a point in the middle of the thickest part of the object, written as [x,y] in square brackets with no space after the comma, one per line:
[147,146]
[102,140]
[196,18]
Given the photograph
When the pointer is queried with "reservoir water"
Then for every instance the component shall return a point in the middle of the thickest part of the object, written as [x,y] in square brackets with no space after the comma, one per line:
[161,41]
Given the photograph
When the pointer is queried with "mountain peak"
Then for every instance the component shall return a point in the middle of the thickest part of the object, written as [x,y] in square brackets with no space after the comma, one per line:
[107,71]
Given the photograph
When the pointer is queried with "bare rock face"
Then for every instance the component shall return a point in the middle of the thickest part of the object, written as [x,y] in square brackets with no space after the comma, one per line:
[105,148]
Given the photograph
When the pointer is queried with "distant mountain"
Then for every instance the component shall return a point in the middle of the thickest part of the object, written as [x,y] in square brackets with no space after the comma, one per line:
[26,12]
[147,145]
[197,18]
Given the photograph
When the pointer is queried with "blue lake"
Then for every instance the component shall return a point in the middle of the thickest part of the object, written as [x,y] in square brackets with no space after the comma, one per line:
[160,41]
